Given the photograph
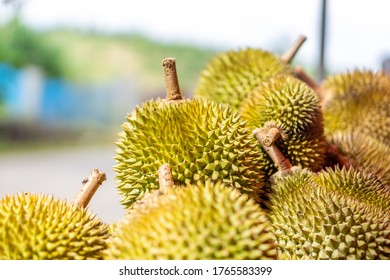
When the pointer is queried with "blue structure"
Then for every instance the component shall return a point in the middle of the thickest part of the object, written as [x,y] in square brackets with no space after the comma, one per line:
[29,95]
[10,88]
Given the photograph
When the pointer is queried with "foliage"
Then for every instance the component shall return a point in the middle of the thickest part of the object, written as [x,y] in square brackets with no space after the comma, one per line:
[92,56]
[21,46]
[97,57]
[191,59]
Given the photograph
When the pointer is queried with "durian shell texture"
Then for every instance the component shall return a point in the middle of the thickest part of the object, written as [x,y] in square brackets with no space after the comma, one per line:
[312,221]
[199,139]
[358,101]
[204,221]
[291,106]
[41,227]
[230,76]
[363,152]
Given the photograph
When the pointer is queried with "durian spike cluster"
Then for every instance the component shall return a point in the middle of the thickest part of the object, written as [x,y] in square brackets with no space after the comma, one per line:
[231,76]
[336,213]
[358,101]
[333,214]
[289,105]
[356,109]
[364,152]
[42,227]
[262,87]
[258,165]
[200,139]
[206,220]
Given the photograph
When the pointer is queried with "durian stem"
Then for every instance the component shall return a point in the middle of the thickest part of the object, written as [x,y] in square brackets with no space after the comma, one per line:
[267,139]
[289,55]
[171,82]
[301,74]
[90,185]
[165,178]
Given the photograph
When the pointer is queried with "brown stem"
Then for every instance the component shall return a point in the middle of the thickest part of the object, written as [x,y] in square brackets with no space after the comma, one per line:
[301,74]
[267,138]
[289,55]
[89,188]
[171,82]
[165,179]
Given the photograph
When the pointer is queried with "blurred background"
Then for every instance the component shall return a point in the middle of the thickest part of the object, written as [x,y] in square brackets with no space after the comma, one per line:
[71,70]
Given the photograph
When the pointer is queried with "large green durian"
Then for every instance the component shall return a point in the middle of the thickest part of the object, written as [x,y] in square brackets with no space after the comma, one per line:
[331,217]
[231,76]
[204,221]
[199,139]
[290,105]
[34,226]
[364,152]
[358,101]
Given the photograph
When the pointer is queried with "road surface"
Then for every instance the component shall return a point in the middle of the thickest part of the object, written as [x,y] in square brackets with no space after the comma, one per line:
[60,172]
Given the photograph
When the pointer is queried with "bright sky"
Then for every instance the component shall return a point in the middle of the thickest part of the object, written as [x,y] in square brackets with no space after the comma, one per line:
[358,30]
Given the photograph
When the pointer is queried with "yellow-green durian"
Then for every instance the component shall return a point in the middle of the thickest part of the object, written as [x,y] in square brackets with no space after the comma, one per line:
[204,221]
[199,139]
[314,221]
[357,184]
[289,104]
[232,75]
[364,152]
[358,101]
[41,227]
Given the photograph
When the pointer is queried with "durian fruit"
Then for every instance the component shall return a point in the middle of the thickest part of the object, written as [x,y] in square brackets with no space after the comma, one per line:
[317,222]
[363,152]
[230,76]
[357,184]
[42,227]
[337,214]
[200,139]
[358,101]
[291,106]
[207,220]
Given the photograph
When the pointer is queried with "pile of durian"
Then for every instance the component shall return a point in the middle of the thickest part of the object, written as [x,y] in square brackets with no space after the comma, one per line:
[261,163]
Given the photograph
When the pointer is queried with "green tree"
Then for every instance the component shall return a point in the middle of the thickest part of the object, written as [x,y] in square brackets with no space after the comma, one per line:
[21,46]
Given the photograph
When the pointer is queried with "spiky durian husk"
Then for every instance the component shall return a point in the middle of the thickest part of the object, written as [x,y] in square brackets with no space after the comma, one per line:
[356,84]
[354,183]
[364,152]
[358,101]
[284,99]
[289,104]
[231,76]
[306,151]
[42,227]
[204,221]
[199,139]
[310,221]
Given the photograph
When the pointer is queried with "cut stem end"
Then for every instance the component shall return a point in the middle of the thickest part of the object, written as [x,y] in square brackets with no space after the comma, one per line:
[165,178]
[89,188]
[267,138]
[171,82]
